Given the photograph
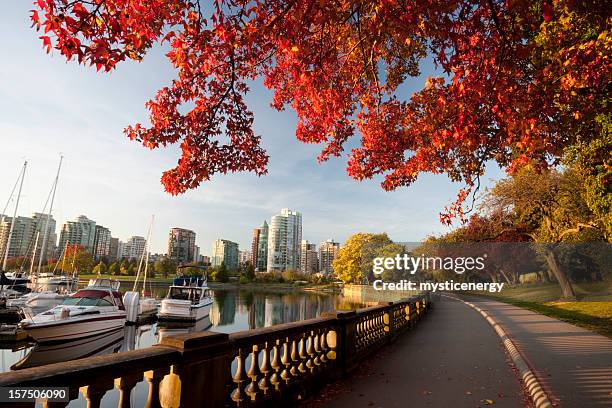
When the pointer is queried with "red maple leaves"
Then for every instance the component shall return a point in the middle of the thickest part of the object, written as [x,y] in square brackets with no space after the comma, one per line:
[517,76]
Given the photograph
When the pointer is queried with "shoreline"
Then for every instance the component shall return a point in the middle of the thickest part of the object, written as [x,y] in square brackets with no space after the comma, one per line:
[254,286]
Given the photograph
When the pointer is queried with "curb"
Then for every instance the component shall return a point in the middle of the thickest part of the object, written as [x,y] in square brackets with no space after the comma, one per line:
[536,392]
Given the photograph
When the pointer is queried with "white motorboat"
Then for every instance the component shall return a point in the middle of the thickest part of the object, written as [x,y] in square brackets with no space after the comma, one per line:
[44,299]
[52,280]
[96,309]
[189,299]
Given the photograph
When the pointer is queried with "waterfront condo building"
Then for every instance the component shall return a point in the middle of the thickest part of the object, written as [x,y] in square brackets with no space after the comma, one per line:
[102,243]
[80,232]
[244,257]
[284,240]
[181,245]
[328,251]
[259,248]
[113,252]
[227,252]
[25,232]
[309,258]
[135,247]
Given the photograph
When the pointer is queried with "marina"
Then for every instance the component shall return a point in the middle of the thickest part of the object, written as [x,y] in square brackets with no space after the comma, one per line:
[231,311]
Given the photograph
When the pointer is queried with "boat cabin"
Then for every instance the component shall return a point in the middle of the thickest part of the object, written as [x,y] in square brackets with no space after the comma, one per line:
[194,294]
[104,283]
[95,297]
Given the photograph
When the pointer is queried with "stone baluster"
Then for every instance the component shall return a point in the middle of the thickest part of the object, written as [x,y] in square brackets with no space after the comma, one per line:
[252,388]
[95,392]
[276,379]
[265,369]
[302,356]
[154,377]
[125,385]
[324,348]
[239,378]
[311,351]
[294,359]
[286,360]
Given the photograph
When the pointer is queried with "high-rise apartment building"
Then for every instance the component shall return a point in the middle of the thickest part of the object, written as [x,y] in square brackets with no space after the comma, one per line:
[309,258]
[81,232]
[25,232]
[284,240]
[113,252]
[102,242]
[135,247]
[196,254]
[181,245]
[40,220]
[259,247]
[244,257]
[227,252]
[22,243]
[328,251]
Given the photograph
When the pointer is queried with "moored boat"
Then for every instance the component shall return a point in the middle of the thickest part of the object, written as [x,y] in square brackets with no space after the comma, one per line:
[189,299]
[96,309]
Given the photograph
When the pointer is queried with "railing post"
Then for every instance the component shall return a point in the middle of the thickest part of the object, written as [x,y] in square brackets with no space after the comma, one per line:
[388,320]
[345,341]
[204,369]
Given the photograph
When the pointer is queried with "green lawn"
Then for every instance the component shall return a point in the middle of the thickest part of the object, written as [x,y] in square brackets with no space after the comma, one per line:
[551,292]
[124,278]
[593,311]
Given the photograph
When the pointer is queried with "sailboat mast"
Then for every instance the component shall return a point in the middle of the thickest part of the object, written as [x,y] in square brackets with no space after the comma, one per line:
[8,241]
[47,221]
[34,254]
[142,257]
[144,281]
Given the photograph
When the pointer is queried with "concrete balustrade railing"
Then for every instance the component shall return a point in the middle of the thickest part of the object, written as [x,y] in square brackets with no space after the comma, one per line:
[271,366]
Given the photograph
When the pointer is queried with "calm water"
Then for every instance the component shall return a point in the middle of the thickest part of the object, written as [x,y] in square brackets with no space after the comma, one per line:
[232,311]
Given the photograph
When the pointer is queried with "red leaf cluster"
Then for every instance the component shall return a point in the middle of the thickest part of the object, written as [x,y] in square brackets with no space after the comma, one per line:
[516,77]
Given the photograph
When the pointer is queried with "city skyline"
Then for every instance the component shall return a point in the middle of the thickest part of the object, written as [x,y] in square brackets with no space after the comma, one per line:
[74,110]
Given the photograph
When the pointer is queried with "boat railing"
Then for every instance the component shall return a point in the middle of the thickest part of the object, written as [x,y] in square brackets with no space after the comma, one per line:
[276,365]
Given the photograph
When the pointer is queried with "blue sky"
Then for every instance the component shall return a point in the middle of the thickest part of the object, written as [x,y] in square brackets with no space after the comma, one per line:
[48,106]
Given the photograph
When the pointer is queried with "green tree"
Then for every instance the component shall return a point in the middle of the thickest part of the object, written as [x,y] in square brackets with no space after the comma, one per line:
[247,272]
[113,268]
[551,208]
[222,273]
[100,268]
[165,266]
[592,161]
[355,258]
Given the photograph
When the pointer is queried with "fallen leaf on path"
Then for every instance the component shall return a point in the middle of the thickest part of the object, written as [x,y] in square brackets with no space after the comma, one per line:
[487,401]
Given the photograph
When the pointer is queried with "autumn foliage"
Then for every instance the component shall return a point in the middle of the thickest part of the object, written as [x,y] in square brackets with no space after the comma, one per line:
[519,80]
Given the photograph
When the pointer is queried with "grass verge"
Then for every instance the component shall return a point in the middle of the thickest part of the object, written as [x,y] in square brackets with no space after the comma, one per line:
[593,316]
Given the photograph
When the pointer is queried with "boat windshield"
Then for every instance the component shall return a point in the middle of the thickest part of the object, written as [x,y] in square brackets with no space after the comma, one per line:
[86,301]
[88,297]
[186,293]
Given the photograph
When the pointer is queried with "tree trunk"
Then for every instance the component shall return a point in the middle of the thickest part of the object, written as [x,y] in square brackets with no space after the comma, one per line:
[508,281]
[553,264]
[493,276]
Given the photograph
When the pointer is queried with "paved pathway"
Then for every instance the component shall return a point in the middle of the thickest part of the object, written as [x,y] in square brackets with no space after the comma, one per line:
[573,365]
[452,359]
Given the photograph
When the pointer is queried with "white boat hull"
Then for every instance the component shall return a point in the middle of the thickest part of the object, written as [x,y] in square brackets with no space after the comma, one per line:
[75,327]
[182,310]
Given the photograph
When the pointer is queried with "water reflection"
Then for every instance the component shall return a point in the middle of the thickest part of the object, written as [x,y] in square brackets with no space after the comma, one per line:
[232,311]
